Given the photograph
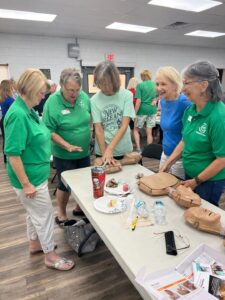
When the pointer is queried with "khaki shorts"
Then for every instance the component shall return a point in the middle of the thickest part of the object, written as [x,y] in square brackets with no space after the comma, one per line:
[141,120]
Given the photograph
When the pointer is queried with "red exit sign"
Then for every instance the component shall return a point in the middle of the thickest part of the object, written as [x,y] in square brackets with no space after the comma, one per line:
[110,56]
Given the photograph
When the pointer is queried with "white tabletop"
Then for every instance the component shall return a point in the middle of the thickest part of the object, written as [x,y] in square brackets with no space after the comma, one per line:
[135,249]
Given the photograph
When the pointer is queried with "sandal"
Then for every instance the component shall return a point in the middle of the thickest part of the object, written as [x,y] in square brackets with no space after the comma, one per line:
[60,222]
[62,264]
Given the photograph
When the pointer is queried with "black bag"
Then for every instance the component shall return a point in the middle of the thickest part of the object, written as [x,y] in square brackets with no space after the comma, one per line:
[81,236]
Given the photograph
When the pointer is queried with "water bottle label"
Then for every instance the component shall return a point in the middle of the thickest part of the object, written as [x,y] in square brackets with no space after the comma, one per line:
[139,203]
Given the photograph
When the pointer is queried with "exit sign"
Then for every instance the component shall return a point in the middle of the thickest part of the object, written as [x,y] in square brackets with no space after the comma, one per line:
[110,56]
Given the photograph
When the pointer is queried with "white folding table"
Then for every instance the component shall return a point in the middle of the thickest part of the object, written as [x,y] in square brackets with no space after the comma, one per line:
[141,247]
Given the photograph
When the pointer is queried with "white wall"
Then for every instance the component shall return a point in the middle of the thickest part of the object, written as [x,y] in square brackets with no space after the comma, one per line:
[149,56]
[23,51]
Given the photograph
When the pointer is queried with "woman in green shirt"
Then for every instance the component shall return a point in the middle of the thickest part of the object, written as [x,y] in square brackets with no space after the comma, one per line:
[145,108]
[202,147]
[67,115]
[27,146]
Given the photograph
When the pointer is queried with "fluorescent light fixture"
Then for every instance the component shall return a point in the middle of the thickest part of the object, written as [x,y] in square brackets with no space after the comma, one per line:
[130,27]
[190,5]
[26,15]
[204,33]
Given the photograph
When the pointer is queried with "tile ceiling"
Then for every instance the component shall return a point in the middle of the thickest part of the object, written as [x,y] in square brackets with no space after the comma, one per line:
[86,19]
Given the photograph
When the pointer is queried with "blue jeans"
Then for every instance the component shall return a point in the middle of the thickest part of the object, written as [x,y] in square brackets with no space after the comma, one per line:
[210,190]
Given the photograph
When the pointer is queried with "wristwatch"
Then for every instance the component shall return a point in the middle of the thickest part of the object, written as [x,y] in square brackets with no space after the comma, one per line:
[198,180]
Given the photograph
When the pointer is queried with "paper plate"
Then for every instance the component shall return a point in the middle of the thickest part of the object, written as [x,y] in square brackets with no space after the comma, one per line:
[117,191]
[110,204]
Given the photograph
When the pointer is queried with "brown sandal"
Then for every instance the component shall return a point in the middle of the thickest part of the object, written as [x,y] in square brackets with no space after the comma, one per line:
[60,222]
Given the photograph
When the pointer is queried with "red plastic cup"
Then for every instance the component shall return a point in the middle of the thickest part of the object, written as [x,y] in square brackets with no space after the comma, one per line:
[125,187]
[98,180]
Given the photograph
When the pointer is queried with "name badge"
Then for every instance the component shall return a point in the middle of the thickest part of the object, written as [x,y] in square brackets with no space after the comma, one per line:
[65,112]
[189,118]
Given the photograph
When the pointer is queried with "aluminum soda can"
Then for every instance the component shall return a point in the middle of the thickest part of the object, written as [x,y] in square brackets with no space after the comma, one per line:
[98,180]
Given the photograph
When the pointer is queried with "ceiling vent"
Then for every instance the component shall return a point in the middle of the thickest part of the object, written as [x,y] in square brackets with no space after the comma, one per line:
[177,25]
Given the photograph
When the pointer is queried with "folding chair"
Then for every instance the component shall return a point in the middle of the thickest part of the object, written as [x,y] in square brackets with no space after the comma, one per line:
[152,151]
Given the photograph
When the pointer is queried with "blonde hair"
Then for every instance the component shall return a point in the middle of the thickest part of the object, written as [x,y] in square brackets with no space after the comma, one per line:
[146,75]
[106,73]
[31,82]
[6,90]
[172,75]
[132,84]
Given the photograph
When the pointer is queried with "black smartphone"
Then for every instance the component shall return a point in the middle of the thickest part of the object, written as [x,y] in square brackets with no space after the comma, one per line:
[170,243]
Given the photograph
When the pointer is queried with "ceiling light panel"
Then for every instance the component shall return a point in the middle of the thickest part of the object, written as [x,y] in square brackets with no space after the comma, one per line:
[190,5]
[26,15]
[204,33]
[130,27]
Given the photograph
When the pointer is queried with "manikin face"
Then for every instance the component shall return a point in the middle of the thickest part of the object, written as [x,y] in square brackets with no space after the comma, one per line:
[205,214]
[166,89]
[71,91]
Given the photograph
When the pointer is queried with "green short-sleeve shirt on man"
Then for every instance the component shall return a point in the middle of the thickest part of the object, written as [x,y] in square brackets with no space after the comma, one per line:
[109,111]
[71,122]
[146,92]
[28,137]
[203,135]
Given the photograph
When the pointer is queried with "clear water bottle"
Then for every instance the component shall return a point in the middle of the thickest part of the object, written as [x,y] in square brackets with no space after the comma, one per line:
[141,208]
[159,213]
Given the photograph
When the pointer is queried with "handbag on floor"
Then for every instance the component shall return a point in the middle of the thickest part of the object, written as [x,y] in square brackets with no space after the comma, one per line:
[81,236]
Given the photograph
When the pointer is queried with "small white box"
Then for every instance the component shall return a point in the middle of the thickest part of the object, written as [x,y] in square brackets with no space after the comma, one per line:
[161,283]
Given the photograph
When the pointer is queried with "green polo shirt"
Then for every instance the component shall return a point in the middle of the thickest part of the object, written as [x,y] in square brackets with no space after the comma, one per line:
[70,121]
[28,137]
[146,91]
[203,135]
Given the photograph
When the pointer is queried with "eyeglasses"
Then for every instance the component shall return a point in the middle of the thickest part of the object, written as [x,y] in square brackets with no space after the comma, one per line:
[189,82]
[71,91]
[181,241]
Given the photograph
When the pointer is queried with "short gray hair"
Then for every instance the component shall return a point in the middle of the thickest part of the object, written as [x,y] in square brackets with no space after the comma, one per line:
[70,74]
[204,70]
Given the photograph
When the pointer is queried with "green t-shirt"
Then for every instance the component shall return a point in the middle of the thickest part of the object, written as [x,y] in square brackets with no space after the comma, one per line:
[71,122]
[146,92]
[203,135]
[28,137]
[109,111]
